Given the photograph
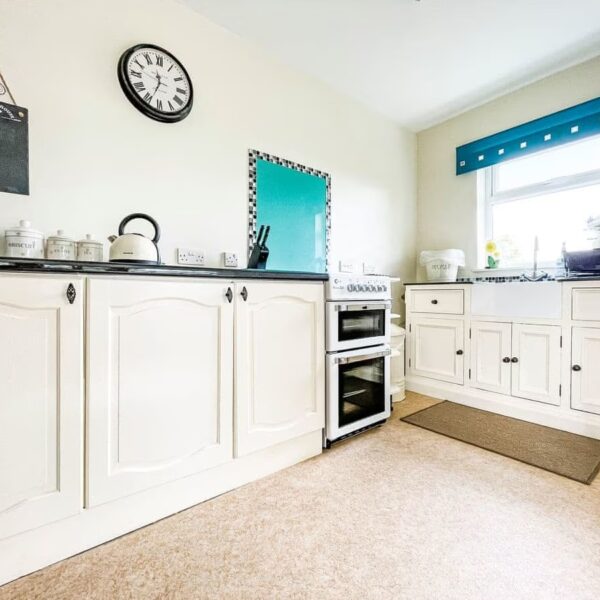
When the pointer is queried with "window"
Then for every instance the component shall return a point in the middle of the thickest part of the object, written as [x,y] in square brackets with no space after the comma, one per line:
[550,194]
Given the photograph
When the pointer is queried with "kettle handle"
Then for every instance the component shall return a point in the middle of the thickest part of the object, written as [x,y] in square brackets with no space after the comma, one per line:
[141,216]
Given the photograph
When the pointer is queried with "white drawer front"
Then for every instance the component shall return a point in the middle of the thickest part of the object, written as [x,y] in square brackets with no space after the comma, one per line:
[586,304]
[438,301]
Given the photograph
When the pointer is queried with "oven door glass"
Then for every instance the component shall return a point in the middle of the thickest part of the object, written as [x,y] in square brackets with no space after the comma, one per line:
[360,324]
[361,389]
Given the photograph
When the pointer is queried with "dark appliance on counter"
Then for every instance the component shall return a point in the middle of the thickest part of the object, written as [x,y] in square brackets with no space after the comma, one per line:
[585,262]
[260,252]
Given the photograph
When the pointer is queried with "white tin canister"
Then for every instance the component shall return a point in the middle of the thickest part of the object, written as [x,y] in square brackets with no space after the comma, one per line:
[24,242]
[89,250]
[60,247]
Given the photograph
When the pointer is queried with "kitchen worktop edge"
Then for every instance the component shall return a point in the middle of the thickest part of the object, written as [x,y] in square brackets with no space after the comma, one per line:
[25,265]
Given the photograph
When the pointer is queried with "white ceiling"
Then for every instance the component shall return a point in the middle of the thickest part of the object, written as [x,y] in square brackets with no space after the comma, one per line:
[418,62]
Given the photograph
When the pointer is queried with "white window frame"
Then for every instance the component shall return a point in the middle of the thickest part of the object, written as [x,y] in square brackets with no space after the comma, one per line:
[488,197]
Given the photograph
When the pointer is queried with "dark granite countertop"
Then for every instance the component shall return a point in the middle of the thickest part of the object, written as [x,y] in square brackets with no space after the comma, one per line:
[438,283]
[104,268]
[510,279]
[581,278]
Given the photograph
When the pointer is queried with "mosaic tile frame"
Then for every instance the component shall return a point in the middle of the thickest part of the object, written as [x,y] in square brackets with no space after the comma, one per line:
[253,156]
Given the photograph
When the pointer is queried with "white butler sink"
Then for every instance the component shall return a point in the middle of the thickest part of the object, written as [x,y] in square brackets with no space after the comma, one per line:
[537,300]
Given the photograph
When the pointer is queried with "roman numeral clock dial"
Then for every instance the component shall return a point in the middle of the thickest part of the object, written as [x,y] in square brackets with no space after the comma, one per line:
[156,83]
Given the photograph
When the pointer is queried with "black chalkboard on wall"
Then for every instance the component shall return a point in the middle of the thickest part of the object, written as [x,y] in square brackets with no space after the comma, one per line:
[14,149]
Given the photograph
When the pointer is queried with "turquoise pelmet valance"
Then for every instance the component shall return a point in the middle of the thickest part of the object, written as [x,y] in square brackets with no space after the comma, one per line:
[556,129]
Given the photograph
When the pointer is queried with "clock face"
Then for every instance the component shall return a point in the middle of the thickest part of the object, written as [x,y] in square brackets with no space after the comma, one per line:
[156,83]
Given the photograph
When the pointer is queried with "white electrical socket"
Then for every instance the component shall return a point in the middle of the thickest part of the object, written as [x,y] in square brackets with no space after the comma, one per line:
[369,268]
[190,256]
[230,259]
[346,266]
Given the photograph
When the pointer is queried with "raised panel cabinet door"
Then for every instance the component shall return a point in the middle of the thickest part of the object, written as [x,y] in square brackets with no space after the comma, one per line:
[41,401]
[437,349]
[536,362]
[280,363]
[491,356]
[160,398]
[585,370]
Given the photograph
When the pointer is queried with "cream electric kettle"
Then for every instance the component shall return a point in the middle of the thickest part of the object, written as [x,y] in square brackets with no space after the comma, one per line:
[135,247]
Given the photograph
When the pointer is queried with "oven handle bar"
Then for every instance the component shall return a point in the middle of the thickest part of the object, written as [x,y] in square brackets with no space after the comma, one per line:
[351,307]
[353,359]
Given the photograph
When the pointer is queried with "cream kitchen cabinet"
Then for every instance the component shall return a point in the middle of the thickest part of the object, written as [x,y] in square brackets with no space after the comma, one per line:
[536,362]
[437,349]
[160,385]
[279,363]
[41,401]
[518,359]
[491,353]
[585,369]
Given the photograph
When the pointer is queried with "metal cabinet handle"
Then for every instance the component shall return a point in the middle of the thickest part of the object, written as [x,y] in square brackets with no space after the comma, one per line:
[229,295]
[71,293]
[352,359]
[434,301]
[506,359]
[576,367]
[244,293]
[459,352]
[514,359]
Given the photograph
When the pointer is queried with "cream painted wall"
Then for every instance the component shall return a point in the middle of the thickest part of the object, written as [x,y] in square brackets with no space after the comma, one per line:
[95,159]
[447,204]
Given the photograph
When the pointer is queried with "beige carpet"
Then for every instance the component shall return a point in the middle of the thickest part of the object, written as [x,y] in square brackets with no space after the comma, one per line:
[567,454]
[398,513]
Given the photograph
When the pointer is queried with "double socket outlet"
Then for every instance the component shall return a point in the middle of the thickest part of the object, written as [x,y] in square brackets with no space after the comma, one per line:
[197,258]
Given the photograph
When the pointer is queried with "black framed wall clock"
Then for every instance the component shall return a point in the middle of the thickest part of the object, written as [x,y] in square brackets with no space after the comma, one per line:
[156,83]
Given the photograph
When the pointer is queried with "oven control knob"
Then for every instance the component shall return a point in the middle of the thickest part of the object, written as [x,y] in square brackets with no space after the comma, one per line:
[350,287]
[380,288]
[371,288]
[360,288]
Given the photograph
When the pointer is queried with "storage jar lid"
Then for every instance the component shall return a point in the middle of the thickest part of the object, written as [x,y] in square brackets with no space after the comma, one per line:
[452,255]
[60,237]
[24,229]
[89,239]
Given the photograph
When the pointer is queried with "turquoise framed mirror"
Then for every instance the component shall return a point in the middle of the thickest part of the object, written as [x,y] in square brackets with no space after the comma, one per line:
[295,202]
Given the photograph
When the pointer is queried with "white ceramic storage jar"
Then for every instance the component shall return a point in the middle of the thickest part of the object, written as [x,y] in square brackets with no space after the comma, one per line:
[89,250]
[24,242]
[60,247]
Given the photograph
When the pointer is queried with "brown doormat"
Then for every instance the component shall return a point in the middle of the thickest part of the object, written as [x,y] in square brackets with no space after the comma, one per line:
[573,456]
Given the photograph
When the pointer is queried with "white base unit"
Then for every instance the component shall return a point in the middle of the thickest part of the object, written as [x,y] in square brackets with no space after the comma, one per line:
[279,363]
[491,354]
[536,362]
[585,370]
[437,348]
[160,385]
[41,402]
[162,359]
[527,350]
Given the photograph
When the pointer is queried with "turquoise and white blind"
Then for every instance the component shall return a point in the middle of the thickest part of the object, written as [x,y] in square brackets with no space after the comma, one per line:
[556,129]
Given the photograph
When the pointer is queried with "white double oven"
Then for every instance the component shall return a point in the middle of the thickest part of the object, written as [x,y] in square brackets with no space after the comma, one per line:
[358,310]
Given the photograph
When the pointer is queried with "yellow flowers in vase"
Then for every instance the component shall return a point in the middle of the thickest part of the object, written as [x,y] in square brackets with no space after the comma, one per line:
[492,255]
